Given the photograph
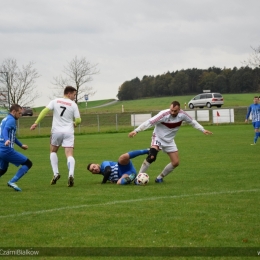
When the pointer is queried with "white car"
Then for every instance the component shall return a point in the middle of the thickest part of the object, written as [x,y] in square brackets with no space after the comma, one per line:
[206,100]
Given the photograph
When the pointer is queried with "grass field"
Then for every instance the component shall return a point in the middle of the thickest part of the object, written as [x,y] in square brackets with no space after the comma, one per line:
[156,104]
[210,201]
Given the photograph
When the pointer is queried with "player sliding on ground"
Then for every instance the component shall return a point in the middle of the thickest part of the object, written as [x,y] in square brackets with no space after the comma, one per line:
[121,172]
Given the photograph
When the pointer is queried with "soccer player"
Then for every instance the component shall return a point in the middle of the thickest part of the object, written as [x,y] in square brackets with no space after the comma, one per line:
[7,151]
[121,172]
[66,116]
[254,110]
[167,123]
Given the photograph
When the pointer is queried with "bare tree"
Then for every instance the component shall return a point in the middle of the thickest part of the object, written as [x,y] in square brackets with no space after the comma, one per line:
[20,82]
[254,60]
[78,73]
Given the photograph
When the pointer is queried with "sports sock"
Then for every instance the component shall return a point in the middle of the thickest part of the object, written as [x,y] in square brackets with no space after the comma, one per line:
[167,169]
[144,167]
[256,137]
[54,163]
[136,153]
[125,181]
[71,165]
[20,173]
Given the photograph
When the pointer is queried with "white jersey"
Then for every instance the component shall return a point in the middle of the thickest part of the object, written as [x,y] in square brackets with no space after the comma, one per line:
[166,126]
[64,113]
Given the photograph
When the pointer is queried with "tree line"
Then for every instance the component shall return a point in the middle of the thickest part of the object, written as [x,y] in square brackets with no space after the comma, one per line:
[192,81]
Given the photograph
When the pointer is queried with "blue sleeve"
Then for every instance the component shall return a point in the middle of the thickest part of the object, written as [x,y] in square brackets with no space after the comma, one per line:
[18,142]
[248,112]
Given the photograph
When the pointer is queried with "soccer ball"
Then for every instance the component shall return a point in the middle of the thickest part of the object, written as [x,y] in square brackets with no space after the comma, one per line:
[142,178]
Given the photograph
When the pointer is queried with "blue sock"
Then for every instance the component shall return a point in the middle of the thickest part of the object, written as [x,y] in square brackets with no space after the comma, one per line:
[20,173]
[135,153]
[256,137]
[123,181]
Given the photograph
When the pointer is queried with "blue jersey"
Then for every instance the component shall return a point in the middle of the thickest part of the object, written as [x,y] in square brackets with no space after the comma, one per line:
[8,131]
[117,170]
[254,109]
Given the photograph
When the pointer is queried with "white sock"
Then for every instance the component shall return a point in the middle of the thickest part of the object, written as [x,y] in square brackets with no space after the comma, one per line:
[144,166]
[71,165]
[167,169]
[54,163]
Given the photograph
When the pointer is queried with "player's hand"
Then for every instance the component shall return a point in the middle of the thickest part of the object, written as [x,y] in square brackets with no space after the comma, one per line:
[7,142]
[132,134]
[33,126]
[207,132]
[24,147]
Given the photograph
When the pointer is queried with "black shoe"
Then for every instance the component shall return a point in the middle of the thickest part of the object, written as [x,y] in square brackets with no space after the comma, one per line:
[70,181]
[54,179]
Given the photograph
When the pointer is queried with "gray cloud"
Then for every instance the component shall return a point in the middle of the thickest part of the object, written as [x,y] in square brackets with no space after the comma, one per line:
[127,38]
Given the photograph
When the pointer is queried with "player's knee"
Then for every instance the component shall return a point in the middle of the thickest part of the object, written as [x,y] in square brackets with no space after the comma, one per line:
[28,163]
[2,172]
[152,155]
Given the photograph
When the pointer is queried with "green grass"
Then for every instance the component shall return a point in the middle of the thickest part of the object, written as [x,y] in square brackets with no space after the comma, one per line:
[210,200]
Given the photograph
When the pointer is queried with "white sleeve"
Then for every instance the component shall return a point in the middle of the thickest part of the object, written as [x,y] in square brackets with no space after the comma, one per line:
[196,125]
[145,125]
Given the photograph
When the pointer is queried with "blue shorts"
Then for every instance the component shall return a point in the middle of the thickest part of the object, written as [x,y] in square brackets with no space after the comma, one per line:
[9,155]
[126,169]
[256,124]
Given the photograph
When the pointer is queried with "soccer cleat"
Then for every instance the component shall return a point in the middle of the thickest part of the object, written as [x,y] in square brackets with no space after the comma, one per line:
[159,180]
[13,185]
[132,176]
[70,181]
[253,144]
[54,179]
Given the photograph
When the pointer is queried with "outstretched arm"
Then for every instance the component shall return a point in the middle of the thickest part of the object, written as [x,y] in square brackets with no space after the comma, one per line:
[43,113]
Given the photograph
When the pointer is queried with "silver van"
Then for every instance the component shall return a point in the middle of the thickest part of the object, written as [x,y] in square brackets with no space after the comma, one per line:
[206,100]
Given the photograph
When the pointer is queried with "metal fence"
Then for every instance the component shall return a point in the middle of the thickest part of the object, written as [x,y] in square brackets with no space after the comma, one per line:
[106,122]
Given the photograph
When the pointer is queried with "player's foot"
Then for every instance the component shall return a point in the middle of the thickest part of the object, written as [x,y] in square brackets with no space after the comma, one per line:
[54,179]
[158,180]
[132,176]
[253,144]
[13,185]
[70,181]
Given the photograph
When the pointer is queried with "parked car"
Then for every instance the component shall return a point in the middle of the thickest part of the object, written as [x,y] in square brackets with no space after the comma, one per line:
[206,100]
[27,111]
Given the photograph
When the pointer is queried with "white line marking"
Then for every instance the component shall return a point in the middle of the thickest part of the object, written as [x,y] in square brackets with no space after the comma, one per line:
[125,201]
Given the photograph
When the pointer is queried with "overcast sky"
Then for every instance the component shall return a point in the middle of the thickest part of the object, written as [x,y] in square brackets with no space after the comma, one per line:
[126,38]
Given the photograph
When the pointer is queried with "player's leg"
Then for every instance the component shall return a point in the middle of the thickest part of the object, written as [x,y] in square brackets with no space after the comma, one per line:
[152,154]
[125,158]
[19,159]
[3,167]
[256,126]
[172,152]
[126,173]
[68,144]
[54,147]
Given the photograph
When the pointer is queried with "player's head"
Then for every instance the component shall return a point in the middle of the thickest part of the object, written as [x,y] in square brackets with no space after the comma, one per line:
[256,99]
[16,111]
[175,108]
[93,168]
[70,92]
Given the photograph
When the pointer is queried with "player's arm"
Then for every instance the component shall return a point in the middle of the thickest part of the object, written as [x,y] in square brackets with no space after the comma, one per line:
[106,174]
[248,113]
[145,125]
[43,113]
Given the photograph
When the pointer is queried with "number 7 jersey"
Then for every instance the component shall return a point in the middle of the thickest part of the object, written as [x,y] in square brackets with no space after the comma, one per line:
[64,113]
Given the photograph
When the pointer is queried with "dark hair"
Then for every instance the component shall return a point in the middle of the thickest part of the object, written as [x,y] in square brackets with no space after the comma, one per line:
[175,103]
[256,97]
[15,107]
[89,165]
[69,89]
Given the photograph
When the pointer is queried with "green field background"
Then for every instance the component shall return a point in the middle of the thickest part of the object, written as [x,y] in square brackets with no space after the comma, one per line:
[210,200]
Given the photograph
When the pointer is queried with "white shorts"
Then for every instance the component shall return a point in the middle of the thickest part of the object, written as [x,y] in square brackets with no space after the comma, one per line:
[62,139]
[166,147]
